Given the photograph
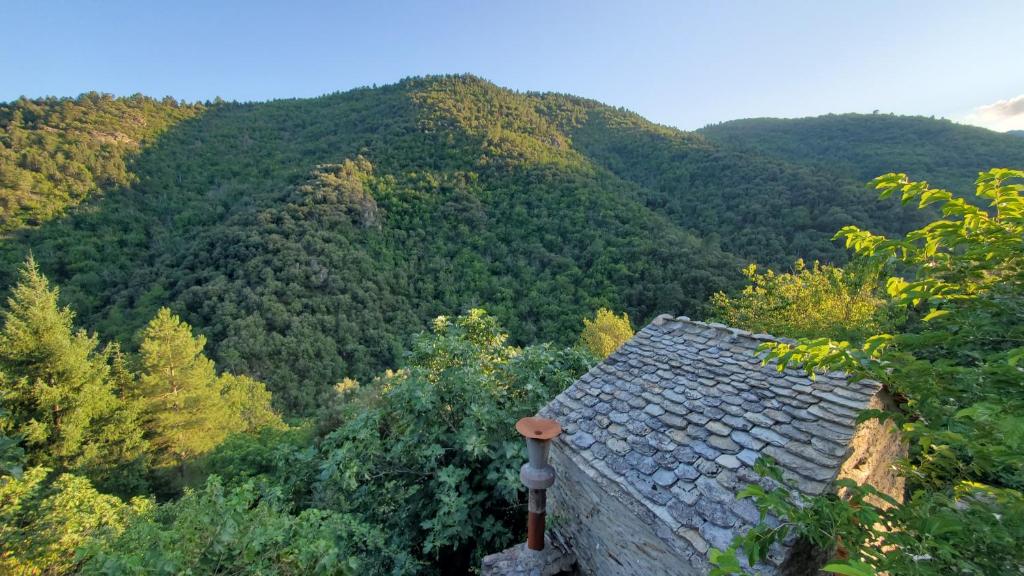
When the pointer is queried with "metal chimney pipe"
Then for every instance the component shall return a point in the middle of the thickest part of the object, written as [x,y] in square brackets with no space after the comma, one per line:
[537,474]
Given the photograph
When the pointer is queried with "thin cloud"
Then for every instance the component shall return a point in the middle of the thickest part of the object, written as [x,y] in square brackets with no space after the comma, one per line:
[1002,115]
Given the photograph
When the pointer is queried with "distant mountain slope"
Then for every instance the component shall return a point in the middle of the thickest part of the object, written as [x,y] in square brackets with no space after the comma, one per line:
[307,239]
[862,146]
[764,209]
[57,152]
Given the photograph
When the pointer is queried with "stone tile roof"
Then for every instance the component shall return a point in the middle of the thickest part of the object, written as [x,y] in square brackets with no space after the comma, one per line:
[678,415]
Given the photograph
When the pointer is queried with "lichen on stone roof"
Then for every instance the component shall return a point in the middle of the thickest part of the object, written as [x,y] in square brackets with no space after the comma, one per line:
[678,415]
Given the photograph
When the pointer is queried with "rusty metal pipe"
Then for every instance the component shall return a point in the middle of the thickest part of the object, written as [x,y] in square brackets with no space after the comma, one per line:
[537,474]
[535,519]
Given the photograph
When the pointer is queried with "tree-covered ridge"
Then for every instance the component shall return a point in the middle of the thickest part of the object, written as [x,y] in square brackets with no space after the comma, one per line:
[306,239]
[759,208]
[57,152]
[862,146]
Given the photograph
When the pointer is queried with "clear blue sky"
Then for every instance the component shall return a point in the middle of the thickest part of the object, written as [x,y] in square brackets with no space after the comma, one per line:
[677,62]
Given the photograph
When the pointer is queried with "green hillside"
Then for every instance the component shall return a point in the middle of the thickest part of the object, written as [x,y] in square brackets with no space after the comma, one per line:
[862,146]
[57,152]
[307,239]
[763,209]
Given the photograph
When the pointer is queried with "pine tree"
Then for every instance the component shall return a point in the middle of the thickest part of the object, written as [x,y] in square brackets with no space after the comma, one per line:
[133,452]
[57,387]
[185,412]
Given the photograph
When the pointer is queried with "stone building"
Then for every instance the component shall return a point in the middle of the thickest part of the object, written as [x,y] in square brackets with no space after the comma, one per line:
[659,438]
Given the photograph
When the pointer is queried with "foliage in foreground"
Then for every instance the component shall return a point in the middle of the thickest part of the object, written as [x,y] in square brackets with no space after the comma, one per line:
[418,477]
[63,395]
[955,367]
[416,473]
[43,522]
[189,408]
[430,453]
[215,530]
[90,430]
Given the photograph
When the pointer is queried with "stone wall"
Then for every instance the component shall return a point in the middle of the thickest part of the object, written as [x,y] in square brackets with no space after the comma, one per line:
[873,450]
[607,537]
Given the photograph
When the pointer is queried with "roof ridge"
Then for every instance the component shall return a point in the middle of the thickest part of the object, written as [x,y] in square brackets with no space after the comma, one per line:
[725,329]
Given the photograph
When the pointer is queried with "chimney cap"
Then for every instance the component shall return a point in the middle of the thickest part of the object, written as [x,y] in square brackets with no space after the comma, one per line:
[538,428]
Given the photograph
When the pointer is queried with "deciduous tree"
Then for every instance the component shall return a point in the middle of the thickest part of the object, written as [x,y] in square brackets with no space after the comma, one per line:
[822,300]
[603,334]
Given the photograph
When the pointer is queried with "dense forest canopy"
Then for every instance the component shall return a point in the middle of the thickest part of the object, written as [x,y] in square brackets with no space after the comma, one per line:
[306,239]
[863,146]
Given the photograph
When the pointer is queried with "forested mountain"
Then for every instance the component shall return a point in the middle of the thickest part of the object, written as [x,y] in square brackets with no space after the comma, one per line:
[863,146]
[307,239]
[55,153]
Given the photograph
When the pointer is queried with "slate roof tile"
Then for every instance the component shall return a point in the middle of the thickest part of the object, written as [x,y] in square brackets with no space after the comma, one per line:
[678,415]
[723,443]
